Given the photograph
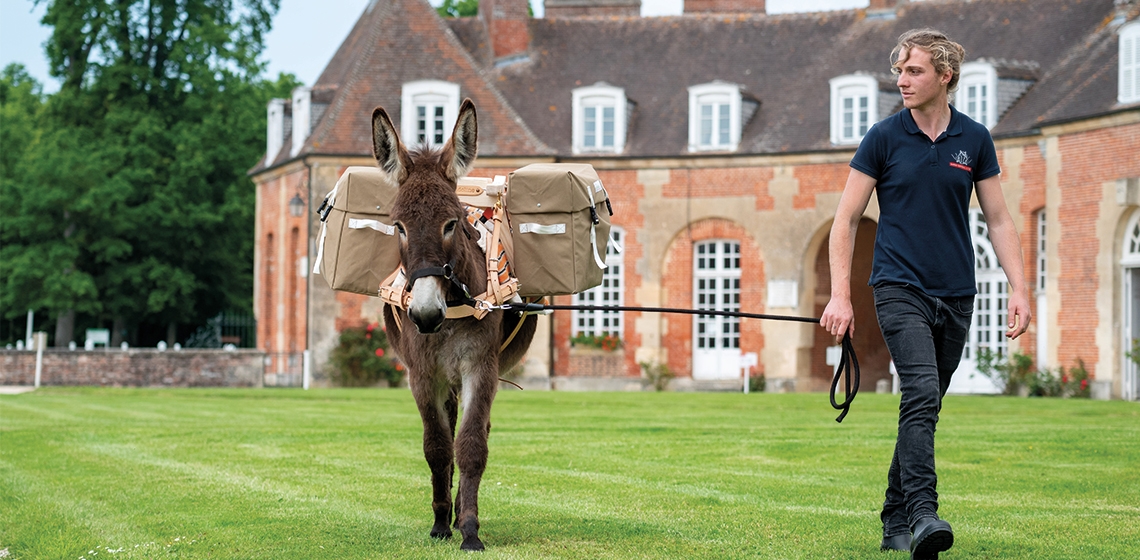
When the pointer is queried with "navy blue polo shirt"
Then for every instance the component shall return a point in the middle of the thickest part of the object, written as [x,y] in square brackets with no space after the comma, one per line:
[924,190]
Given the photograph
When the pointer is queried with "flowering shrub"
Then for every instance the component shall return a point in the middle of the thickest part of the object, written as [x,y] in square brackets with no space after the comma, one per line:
[362,358]
[1017,372]
[1076,381]
[608,342]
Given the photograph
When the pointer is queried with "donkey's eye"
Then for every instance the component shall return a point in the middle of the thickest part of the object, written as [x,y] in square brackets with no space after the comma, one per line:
[449,228]
[400,228]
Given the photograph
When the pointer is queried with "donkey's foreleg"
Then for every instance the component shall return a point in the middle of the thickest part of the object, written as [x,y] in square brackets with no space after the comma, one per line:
[471,453]
[439,453]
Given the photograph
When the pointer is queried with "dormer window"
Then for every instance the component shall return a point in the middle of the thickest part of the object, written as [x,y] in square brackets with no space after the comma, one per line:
[854,107]
[1128,90]
[599,119]
[977,93]
[428,110]
[714,117]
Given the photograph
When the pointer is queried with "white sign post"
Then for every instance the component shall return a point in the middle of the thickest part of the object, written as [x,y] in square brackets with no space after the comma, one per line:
[747,362]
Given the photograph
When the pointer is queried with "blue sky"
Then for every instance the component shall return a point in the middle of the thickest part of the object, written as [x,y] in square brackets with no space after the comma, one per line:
[321,25]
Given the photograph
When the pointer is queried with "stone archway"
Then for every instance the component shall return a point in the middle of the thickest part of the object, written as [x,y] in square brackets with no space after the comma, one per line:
[874,359]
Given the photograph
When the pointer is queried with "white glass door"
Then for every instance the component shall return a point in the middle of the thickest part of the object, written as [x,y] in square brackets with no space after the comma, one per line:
[716,286]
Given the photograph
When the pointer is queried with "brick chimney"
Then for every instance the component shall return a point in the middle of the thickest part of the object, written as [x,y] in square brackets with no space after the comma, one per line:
[725,6]
[506,22]
[556,9]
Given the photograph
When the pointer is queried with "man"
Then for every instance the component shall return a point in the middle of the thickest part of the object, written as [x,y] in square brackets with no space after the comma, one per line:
[923,162]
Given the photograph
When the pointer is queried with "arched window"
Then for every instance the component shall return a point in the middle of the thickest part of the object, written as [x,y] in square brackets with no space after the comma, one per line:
[987,328]
[1130,266]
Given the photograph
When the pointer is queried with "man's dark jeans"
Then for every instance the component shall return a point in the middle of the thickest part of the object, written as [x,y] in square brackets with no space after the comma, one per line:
[925,335]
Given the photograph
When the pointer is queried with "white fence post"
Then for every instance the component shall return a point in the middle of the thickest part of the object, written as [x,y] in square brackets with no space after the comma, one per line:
[306,364]
[40,341]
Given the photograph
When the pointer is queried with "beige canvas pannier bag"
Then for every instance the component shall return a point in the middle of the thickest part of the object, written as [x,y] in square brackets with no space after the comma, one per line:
[358,247]
[559,215]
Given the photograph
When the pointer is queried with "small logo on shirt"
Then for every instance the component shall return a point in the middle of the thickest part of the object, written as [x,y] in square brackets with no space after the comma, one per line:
[962,161]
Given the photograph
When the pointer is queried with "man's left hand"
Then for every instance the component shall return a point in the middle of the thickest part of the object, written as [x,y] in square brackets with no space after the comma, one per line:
[1019,315]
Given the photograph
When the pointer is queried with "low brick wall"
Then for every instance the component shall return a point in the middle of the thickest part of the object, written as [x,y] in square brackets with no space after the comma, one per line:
[596,363]
[136,367]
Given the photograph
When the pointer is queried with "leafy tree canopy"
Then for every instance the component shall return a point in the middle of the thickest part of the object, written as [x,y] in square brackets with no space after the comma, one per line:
[125,193]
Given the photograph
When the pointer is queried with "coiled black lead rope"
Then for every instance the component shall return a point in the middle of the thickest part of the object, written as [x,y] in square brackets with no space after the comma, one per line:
[848,364]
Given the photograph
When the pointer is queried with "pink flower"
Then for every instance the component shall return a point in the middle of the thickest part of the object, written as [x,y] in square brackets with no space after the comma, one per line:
[380,352]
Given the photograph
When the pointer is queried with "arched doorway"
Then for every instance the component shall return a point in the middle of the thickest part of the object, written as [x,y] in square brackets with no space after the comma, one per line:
[1130,267]
[987,328]
[874,359]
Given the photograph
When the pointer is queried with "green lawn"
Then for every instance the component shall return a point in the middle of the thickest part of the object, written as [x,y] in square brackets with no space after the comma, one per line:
[279,473]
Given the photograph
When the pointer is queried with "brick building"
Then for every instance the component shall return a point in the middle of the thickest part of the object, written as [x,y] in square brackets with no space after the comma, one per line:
[723,137]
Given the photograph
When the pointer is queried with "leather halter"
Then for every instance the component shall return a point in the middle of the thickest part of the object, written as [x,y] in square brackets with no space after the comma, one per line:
[447,272]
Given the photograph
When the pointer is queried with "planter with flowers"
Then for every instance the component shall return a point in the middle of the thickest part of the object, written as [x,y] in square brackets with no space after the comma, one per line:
[597,356]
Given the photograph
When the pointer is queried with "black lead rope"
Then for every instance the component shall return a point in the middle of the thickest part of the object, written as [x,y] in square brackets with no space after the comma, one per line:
[848,363]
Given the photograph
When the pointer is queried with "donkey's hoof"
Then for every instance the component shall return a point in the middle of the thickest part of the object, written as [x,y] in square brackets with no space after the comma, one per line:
[471,544]
[441,533]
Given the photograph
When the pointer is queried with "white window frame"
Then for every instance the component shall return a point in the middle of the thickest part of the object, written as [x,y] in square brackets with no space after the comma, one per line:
[720,96]
[1128,77]
[854,87]
[610,292]
[598,96]
[428,94]
[976,96]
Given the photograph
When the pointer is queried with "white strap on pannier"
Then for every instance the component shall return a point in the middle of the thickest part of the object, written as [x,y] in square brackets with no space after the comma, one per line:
[358,223]
[552,229]
[329,200]
[601,262]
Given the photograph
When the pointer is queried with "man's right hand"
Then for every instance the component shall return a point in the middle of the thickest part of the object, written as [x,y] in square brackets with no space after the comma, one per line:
[838,318]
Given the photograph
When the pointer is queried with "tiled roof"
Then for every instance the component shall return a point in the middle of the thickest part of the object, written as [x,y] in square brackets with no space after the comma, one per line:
[399,41]
[786,62]
[783,61]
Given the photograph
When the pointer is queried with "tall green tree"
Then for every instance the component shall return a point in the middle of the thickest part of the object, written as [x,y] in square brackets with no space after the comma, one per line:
[132,202]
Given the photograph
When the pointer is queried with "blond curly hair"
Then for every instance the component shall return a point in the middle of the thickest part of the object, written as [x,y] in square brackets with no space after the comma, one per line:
[944,53]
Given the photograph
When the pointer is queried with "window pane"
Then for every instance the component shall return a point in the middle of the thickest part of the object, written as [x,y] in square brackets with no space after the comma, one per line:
[438,137]
[863,116]
[706,125]
[590,126]
[723,125]
[421,124]
[848,117]
[608,127]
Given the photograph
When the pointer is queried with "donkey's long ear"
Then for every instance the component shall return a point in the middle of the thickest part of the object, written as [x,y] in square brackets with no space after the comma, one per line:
[387,148]
[460,152]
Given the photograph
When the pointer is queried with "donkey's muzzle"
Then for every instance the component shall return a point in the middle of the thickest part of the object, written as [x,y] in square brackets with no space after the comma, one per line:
[428,320]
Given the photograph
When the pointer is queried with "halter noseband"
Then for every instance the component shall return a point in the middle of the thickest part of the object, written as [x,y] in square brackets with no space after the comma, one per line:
[447,272]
